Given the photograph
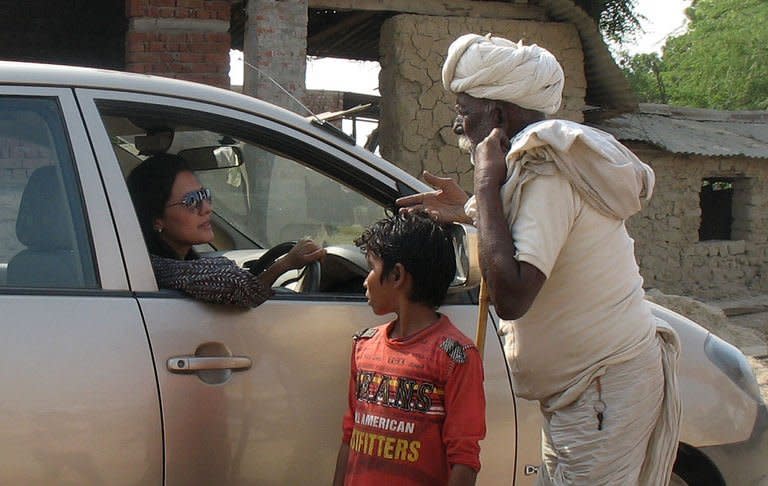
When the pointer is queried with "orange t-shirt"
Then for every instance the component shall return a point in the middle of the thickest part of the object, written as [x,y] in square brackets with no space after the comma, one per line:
[416,406]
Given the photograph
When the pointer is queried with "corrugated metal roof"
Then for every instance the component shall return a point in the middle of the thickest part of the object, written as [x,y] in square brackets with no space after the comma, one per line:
[694,131]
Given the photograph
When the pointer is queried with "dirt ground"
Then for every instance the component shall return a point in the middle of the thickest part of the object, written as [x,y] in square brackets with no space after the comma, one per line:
[760,365]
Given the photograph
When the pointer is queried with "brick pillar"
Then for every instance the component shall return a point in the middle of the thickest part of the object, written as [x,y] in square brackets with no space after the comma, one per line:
[276,43]
[184,39]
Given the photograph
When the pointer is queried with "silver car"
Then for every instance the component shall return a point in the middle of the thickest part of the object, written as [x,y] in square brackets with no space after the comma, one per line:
[107,379]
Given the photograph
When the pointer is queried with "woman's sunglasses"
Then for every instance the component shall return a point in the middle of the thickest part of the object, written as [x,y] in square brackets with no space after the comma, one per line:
[194,200]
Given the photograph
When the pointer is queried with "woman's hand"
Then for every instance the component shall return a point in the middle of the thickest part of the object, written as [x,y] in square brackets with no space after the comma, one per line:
[445,204]
[303,253]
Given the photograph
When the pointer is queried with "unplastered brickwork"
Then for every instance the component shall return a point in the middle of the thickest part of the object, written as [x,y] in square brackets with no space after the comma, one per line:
[666,232]
[185,39]
[416,121]
[276,44]
[179,9]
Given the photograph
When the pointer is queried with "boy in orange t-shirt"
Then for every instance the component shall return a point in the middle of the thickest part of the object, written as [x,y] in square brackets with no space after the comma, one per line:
[416,402]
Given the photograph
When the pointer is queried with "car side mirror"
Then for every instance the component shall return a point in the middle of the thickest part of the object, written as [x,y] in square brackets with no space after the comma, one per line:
[465,247]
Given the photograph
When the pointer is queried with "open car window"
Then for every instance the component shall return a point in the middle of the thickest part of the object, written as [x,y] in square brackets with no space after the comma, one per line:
[268,189]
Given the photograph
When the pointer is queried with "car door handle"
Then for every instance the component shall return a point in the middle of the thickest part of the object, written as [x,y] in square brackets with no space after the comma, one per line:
[190,364]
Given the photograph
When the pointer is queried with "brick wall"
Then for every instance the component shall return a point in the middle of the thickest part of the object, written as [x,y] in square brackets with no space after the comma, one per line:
[416,121]
[275,42]
[185,39]
[666,232]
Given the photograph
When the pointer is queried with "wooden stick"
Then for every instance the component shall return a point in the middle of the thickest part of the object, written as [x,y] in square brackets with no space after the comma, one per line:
[482,316]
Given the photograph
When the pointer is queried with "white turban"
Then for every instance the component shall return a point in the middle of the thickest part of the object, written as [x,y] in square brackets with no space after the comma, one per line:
[498,69]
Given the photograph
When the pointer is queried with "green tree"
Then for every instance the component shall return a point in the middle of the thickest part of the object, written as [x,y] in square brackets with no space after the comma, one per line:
[722,61]
[617,19]
[644,72]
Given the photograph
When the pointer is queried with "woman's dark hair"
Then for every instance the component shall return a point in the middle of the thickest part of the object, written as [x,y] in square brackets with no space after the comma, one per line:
[423,246]
[150,185]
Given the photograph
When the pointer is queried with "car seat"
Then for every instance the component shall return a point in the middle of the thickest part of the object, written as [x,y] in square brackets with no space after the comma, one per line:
[44,225]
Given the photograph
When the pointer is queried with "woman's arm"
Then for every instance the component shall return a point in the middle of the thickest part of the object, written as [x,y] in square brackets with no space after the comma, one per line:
[220,281]
[303,253]
[217,280]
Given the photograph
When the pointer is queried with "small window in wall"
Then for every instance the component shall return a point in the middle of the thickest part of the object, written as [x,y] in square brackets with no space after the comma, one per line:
[716,200]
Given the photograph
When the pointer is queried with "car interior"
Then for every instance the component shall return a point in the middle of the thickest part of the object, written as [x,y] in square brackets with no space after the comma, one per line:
[41,227]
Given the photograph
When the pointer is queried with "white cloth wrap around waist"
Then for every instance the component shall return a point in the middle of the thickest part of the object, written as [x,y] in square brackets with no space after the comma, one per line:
[659,422]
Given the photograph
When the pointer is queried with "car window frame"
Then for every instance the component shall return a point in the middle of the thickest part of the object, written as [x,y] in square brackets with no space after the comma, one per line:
[135,252]
[104,249]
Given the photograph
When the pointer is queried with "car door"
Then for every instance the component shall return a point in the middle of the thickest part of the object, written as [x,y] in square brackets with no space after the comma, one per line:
[274,415]
[79,402]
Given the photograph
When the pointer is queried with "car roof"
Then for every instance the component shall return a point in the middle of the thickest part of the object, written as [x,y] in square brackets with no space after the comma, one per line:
[25,73]
[55,75]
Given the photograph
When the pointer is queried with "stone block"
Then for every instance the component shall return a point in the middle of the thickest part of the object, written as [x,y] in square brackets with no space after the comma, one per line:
[737,247]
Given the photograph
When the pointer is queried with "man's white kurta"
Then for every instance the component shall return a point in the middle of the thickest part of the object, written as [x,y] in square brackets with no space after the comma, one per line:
[568,192]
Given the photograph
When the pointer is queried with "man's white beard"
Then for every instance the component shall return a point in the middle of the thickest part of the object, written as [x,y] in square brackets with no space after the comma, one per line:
[466,145]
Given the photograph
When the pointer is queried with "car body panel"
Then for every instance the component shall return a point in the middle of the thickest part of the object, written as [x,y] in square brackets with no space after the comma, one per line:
[80,404]
[707,393]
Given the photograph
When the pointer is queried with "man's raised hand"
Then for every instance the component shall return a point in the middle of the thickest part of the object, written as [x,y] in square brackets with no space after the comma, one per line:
[445,204]
[490,159]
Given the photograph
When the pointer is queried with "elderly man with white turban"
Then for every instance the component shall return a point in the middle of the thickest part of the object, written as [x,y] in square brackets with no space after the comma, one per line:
[551,198]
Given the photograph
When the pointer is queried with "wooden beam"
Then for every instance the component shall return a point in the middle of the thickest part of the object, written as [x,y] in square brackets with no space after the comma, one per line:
[443,8]
[340,28]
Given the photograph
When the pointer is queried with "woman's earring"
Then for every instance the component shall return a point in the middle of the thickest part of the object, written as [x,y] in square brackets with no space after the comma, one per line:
[159,230]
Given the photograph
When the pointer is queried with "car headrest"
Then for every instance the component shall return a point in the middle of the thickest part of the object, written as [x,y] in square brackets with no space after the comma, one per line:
[43,218]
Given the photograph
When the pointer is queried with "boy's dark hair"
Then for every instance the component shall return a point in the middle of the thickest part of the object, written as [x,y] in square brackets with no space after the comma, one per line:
[423,246]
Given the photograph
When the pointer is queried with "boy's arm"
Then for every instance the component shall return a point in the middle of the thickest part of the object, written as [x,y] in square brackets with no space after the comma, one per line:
[341,465]
[464,424]
[461,475]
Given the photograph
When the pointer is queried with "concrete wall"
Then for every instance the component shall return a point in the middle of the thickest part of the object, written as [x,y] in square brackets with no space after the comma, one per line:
[666,232]
[416,120]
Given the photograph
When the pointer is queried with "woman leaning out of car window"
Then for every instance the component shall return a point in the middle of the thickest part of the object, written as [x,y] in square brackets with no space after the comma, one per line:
[174,212]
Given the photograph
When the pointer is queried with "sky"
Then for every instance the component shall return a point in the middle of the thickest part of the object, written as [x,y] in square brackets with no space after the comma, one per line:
[662,19]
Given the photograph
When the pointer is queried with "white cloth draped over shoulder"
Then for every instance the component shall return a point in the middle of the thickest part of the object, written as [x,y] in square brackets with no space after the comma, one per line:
[603,171]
